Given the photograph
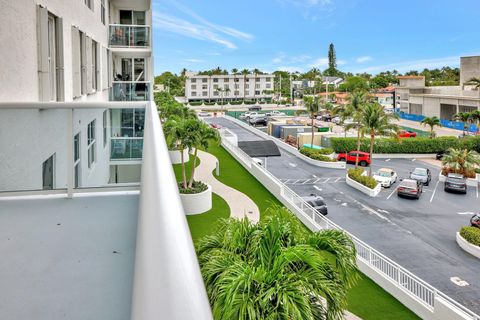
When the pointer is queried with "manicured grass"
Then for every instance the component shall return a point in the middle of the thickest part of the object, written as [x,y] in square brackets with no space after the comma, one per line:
[367,300]
[204,224]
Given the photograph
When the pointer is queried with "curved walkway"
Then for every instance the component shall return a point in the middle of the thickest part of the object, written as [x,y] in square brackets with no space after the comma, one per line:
[240,205]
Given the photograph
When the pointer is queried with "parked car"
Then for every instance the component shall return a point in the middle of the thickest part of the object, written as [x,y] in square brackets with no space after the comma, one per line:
[317,202]
[260,120]
[275,113]
[421,174]
[363,157]
[215,126]
[456,183]
[336,120]
[248,115]
[386,177]
[407,134]
[254,108]
[203,114]
[324,117]
[475,220]
[410,188]
[440,155]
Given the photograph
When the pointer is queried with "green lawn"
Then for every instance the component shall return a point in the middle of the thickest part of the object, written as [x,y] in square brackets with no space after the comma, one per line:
[177,168]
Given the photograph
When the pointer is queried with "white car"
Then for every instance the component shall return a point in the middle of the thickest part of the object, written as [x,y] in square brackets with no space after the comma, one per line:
[203,114]
[386,177]
[275,113]
[249,114]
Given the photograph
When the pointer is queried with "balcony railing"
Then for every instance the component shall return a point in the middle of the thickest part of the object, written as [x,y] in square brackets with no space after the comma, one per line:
[129,36]
[130,91]
[126,148]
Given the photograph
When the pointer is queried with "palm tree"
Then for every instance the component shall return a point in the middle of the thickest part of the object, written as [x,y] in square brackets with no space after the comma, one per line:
[475,82]
[234,71]
[432,122]
[245,72]
[276,269]
[203,138]
[461,161]
[312,105]
[464,117]
[375,121]
[358,100]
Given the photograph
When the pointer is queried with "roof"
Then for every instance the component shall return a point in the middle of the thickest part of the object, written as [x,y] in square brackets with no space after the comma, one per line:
[263,148]
[389,89]
[411,77]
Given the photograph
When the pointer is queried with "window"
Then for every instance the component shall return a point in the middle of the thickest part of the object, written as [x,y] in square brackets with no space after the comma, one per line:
[247,86]
[204,93]
[194,94]
[194,87]
[226,87]
[76,159]
[91,143]
[237,80]
[94,66]
[257,79]
[83,62]
[268,85]
[215,80]
[269,79]
[194,80]
[104,128]
[226,80]
[215,93]
[247,80]
[102,11]
[237,93]
[204,87]
[257,86]
[48,167]
[215,87]
[237,86]
[132,17]
[50,56]
[204,80]
[89,4]
[257,92]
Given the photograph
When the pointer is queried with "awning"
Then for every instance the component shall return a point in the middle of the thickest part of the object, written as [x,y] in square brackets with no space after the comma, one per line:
[260,149]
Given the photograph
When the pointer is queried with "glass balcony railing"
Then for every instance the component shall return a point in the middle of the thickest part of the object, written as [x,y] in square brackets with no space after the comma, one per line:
[129,36]
[126,148]
[130,91]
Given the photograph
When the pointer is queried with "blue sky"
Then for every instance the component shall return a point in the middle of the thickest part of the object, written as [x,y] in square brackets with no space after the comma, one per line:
[369,35]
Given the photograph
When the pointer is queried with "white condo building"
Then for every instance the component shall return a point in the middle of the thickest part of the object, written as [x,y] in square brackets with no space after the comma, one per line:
[229,87]
[91,221]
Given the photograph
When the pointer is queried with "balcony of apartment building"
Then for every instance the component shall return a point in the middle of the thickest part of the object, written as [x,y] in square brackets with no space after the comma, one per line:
[130,29]
[77,244]
[130,74]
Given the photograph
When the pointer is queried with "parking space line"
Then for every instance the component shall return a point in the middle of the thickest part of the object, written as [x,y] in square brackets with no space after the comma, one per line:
[434,191]
[316,180]
[304,182]
[394,190]
[338,179]
[326,180]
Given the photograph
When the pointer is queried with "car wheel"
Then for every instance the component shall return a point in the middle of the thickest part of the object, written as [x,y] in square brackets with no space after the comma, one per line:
[427,183]
[342,159]
[363,163]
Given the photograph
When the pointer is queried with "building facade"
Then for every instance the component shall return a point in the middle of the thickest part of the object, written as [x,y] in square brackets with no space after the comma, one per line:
[78,51]
[414,97]
[229,87]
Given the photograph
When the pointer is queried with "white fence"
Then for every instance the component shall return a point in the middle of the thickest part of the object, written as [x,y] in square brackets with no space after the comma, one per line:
[422,298]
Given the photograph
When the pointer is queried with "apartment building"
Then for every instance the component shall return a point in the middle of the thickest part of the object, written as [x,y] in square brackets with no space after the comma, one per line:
[229,87]
[414,97]
[91,219]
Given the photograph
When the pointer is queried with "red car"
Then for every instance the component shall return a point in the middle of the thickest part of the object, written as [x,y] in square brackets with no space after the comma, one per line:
[363,157]
[407,134]
[215,126]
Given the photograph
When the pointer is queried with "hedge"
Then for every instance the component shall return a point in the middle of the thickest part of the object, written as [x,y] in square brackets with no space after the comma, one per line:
[235,103]
[356,174]
[410,145]
[196,103]
[471,234]
[319,155]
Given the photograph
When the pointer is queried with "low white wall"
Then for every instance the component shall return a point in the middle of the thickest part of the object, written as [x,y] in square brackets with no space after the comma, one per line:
[364,189]
[176,158]
[404,156]
[467,246]
[323,164]
[197,203]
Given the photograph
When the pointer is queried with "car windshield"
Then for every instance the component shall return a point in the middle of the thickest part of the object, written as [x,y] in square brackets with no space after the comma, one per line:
[409,184]
[420,172]
[318,203]
[384,174]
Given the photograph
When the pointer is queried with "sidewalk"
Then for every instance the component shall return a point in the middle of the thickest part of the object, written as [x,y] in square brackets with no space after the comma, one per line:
[240,205]
[441,131]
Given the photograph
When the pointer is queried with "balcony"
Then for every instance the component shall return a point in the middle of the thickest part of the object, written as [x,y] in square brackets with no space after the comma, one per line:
[130,91]
[129,36]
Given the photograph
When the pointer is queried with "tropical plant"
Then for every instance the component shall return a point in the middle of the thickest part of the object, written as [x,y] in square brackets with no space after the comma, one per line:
[464,117]
[357,102]
[375,121]
[203,137]
[432,122]
[461,161]
[475,82]
[313,106]
[275,269]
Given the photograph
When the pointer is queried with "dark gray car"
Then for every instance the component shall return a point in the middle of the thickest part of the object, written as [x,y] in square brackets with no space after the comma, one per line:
[318,203]
[410,188]
[422,175]
[456,183]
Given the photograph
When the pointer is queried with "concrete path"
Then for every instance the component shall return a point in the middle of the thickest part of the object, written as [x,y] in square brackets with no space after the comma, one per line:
[240,205]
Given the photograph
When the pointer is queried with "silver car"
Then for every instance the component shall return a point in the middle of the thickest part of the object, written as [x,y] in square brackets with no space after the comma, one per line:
[422,175]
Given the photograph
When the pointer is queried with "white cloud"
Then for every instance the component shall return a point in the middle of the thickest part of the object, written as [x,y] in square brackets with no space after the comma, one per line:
[290,69]
[319,63]
[364,59]
[194,60]
[283,58]
[200,30]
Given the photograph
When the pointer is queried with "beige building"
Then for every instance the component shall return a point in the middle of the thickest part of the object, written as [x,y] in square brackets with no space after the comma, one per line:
[414,97]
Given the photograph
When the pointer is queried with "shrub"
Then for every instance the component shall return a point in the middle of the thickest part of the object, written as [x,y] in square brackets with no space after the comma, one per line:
[471,234]
[235,103]
[196,103]
[319,155]
[197,187]
[477,170]
[356,174]
[210,103]
[408,145]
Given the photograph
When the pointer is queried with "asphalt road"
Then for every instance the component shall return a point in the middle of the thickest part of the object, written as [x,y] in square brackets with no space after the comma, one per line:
[417,234]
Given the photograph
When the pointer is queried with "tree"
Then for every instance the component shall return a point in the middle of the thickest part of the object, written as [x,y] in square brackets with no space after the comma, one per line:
[464,117]
[352,84]
[332,57]
[245,73]
[432,122]
[375,121]
[312,106]
[461,161]
[475,82]
[204,136]
[275,269]
[234,71]
[358,100]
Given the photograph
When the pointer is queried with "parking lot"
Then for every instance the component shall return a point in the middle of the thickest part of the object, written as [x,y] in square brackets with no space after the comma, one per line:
[418,234]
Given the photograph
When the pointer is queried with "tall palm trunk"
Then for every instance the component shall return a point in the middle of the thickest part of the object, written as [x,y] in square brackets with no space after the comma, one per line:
[184,174]
[192,171]
[358,146]
[372,140]
[313,132]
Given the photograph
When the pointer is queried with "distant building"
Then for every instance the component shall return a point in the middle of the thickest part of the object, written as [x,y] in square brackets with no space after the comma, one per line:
[229,87]
[385,97]
[335,81]
[414,97]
